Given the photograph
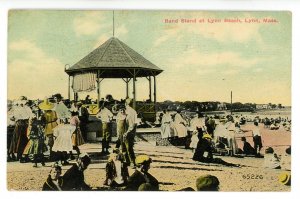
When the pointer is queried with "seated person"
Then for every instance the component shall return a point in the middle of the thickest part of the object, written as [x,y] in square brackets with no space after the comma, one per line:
[207,183]
[54,180]
[203,152]
[271,159]
[141,175]
[73,179]
[286,160]
[247,148]
[116,170]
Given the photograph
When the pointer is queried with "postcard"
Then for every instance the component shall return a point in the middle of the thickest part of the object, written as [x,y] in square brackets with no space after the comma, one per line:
[132,100]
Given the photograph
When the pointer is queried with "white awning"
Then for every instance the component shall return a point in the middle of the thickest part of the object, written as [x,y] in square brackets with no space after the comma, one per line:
[84,82]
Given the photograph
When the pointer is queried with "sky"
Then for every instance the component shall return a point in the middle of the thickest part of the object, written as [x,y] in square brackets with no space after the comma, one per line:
[201,61]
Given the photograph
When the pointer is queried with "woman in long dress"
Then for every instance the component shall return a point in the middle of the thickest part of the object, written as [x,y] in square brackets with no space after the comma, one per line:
[180,129]
[36,145]
[77,138]
[166,125]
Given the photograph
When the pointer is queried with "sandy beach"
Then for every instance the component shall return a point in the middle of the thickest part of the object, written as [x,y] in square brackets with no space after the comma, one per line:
[172,166]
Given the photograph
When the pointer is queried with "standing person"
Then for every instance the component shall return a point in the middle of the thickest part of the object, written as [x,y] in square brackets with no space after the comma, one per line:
[21,115]
[121,121]
[54,180]
[63,141]
[131,123]
[60,108]
[198,128]
[166,124]
[83,115]
[36,145]
[180,129]
[49,121]
[73,179]
[77,138]
[88,99]
[106,116]
[211,125]
[141,175]
[257,139]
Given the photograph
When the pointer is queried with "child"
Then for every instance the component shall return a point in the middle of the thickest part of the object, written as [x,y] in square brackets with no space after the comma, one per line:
[36,145]
[54,180]
[116,170]
[271,159]
[63,141]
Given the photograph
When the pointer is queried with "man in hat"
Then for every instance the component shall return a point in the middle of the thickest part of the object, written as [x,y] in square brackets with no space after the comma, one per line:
[83,115]
[73,179]
[141,175]
[130,130]
[21,115]
[49,121]
[60,108]
[106,116]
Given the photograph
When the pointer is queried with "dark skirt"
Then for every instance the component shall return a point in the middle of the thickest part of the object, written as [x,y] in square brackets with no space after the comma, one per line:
[19,139]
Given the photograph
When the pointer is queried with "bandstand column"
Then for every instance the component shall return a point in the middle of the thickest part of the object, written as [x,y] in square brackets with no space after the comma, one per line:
[69,95]
[154,77]
[150,95]
[98,88]
[134,91]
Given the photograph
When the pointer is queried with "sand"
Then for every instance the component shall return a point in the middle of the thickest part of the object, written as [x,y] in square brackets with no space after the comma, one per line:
[172,166]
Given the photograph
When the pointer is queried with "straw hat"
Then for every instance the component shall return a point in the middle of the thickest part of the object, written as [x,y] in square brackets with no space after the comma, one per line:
[285,178]
[142,159]
[46,105]
[207,136]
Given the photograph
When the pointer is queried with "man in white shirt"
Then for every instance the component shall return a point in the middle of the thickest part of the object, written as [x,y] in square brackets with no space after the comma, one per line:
[106,116]
[130,130]
[60,108]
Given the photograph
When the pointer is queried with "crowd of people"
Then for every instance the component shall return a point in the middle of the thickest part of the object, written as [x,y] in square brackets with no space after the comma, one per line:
[60,128]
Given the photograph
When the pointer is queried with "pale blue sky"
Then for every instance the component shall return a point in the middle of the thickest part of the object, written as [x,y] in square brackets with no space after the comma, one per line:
[202,61]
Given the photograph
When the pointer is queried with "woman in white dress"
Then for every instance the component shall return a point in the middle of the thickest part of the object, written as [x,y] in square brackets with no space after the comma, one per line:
[166,124]
[180,129]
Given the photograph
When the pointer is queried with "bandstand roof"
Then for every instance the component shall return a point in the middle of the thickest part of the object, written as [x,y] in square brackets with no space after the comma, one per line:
[114,59]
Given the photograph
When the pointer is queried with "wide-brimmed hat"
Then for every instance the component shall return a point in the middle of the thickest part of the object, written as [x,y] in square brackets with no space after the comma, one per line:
[269,150]
[207,183]
[142,159]
[23,98]
[285,178]
[129,101]
[58,96]
[207,136]
[46,105]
